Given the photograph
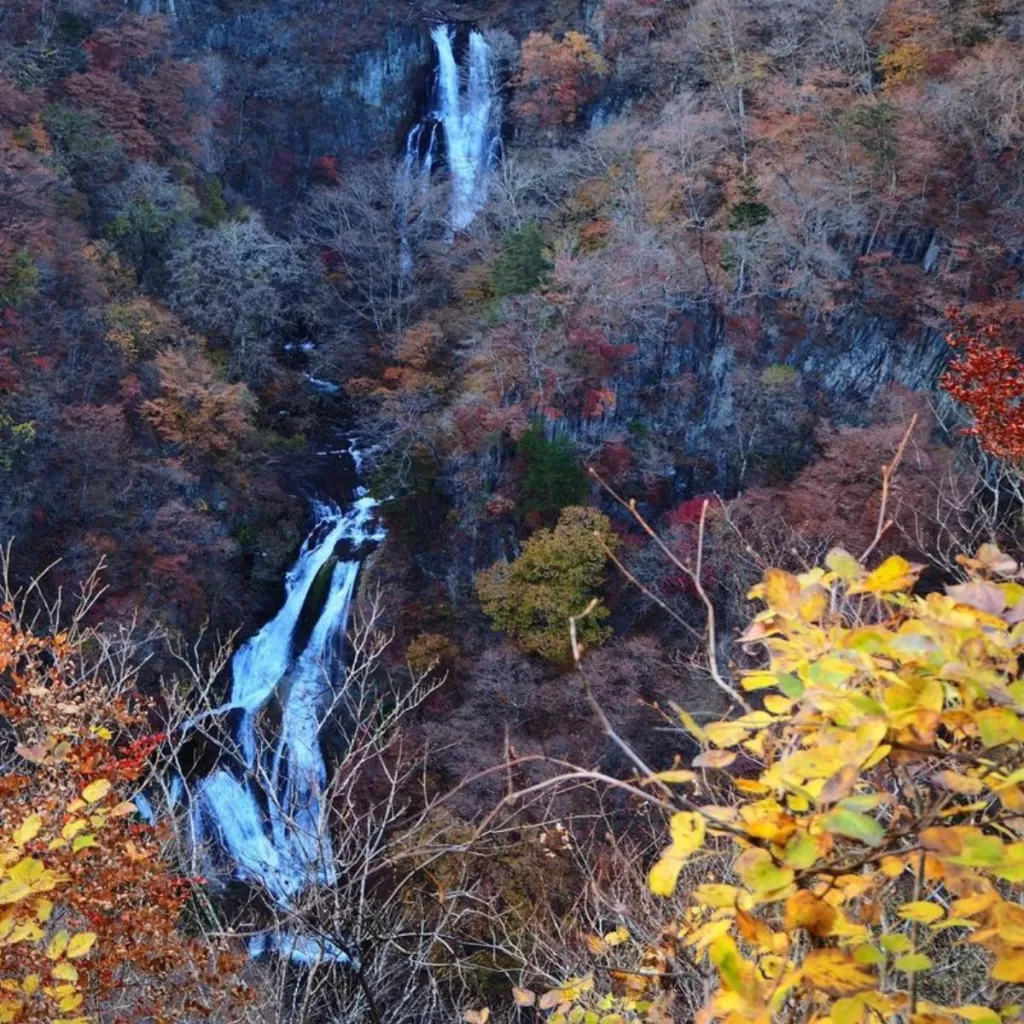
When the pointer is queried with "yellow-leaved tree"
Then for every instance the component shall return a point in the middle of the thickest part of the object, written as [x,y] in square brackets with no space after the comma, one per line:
[90,901]
[868,865]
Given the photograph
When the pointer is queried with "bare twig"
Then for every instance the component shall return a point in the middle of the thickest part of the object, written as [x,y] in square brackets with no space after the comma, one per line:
[888,472]
[694,575]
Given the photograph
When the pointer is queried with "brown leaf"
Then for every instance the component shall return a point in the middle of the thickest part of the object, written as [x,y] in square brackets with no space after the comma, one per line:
[805,910]
[714,759]
[986,597]
[523,996]
[35,754]
[840,785]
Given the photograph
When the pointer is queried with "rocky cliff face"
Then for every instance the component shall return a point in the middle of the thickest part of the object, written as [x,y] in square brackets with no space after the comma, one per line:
[302,80]
[721,396]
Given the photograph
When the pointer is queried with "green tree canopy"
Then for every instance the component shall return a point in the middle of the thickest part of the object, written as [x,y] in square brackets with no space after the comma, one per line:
[556,576]
[553,477]
[524,264]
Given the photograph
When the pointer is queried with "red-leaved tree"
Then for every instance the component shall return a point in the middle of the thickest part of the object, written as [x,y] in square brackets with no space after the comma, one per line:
[987,378]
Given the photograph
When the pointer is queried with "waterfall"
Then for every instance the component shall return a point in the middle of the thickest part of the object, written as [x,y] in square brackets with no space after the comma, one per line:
[465,106]
[263,812]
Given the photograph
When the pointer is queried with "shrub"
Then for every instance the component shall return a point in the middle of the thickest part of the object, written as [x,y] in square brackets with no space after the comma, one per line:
[90,902]
[82,148]
[19,280]
[555,577]
[15,439]
[873,834]
[246,289]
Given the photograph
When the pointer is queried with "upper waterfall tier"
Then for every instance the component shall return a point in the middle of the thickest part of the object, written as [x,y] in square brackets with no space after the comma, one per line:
[465,104]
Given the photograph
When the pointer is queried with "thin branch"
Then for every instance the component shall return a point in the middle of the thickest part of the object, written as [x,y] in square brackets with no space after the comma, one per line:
[888,472]
[694,575]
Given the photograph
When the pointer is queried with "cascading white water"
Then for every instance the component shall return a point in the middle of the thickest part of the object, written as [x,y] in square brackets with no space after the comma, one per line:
[465,105]
[468,120]
[265,812]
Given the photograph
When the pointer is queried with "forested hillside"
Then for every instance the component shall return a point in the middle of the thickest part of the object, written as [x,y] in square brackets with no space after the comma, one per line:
[425,401]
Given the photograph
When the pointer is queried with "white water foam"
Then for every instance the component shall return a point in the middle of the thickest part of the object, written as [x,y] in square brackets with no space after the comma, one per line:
[266,813]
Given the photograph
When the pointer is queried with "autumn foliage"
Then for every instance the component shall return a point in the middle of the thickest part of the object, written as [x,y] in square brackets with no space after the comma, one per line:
[878,842]
[558,78]
[987,378]
[89,904]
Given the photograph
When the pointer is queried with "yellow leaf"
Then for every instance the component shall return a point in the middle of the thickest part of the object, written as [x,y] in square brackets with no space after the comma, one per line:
[689,723]
[955,782]
[677,776]
[664,873]
[123,809]
[30,984]
[711,895]
[895,943]
[971,905]
[27,830]
[892,867]
[760,874]
[725,734]
[805,910]
[759,680]
[780,591]
[848,1011]
[617,937]
[844,565]
[709,933]
[550,999]
[69,1003]
[801,851]
[977,1014]
[895,573]
[735,971]
[868,955]
[688,831]
[777,704]
[25,931]
[9,1010]
[751,786]
[814,602]
[65,971]
[1010,968]
[714,759]
[912,963]
[80,944]
[96,791]
[922,911]
[72,828]
[28,871]
[998,726]
[59,943]
[13,892]
[836,972]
